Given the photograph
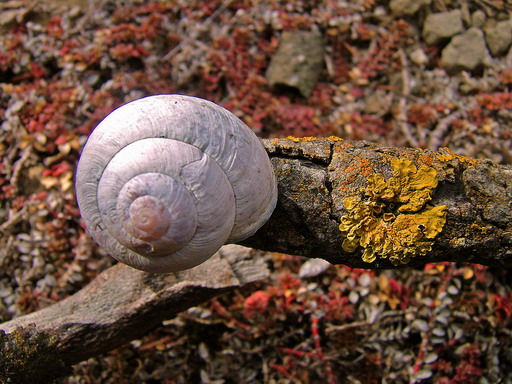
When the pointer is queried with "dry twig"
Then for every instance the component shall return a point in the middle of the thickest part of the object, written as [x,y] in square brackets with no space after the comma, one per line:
[401,116]
[119,305]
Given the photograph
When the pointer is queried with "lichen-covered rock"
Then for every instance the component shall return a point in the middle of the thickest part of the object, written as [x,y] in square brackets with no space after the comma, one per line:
[466,51]
[441,26]
[407,7]
[298,61]
[499,37]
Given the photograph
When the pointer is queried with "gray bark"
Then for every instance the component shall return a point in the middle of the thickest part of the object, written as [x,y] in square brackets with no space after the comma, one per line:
[314,178]
[120,305]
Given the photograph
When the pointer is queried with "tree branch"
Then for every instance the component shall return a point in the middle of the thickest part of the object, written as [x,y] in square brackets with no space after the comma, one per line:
[120,305]
[316,176]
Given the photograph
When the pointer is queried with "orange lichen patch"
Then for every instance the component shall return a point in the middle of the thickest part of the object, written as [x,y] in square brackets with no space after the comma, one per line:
[360,166]
[392,221]
[334,138]
[301,139]
[449,156]
[341,147]
[365,167]
[426,158]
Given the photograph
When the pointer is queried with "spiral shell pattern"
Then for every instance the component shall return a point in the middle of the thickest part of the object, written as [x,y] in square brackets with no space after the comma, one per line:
[164,181]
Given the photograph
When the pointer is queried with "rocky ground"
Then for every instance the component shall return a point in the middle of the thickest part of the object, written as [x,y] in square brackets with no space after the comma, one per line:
[426,73]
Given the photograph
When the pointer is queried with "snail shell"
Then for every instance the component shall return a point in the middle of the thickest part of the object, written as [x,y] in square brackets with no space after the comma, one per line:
[164,181]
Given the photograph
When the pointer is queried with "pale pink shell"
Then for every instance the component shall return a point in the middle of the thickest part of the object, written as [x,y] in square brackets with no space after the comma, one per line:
[164,181]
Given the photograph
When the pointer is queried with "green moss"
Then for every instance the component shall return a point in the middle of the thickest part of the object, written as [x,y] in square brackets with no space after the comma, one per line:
[392,220]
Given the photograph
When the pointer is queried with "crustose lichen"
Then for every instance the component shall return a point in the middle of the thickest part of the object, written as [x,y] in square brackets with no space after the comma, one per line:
[393,221]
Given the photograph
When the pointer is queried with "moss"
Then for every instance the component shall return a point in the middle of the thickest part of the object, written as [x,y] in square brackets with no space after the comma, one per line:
[392,220]
[29,356]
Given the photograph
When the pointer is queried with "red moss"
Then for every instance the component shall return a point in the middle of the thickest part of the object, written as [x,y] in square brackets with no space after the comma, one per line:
[421,114]
[57,169]
[54,28]
[296,120]
[381,58]
[363,124]
[506,76]
[364,32]
[468,371]
[341,56]
[256,303]
[129,12]
[338,309]
[495,101]
[122,52]
[133,33]
[294,21]
[503,307]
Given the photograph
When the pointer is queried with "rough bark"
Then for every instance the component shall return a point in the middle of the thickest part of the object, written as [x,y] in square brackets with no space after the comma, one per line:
[120,305]
[315,176]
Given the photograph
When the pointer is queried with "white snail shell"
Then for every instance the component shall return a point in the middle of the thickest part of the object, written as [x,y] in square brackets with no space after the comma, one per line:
[164,181]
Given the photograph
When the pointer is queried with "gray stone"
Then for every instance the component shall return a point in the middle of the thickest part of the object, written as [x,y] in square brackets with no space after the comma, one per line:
[508,58]
[313,268]
[442,26]
[418,56]
[465,15]
[478,18]
[378,102]
[466,51]
[298,61]
[499,37]
[407,7]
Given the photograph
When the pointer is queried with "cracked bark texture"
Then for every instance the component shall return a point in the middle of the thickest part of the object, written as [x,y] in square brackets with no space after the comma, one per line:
[316,175]
[314,178]
[120,305]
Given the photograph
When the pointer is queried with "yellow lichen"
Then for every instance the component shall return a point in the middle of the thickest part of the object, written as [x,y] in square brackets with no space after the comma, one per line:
[301,139]
[392,220]
[449,155]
